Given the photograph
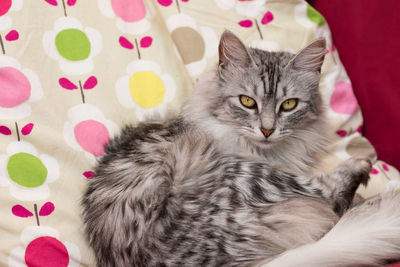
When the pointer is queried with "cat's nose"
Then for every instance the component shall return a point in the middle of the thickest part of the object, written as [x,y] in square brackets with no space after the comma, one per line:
[267,132]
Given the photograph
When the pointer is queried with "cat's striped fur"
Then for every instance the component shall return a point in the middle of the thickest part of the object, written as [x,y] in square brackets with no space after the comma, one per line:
[207,188]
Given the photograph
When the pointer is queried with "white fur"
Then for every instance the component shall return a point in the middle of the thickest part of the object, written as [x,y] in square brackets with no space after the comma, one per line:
[367,235]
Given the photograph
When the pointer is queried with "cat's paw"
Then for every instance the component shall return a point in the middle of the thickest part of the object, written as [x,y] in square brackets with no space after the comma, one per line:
[359,169]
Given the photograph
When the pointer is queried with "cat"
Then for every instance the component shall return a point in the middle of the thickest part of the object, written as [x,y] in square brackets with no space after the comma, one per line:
[228,182]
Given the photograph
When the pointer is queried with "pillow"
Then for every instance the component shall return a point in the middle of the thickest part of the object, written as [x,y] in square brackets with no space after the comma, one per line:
[73,72]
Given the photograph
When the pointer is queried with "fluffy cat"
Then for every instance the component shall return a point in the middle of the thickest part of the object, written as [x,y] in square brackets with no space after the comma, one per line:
[228,182]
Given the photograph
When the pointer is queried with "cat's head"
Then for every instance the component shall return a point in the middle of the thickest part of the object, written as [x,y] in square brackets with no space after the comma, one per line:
[257,97]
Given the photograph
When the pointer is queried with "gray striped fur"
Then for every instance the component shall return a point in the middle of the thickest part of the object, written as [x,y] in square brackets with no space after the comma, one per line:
[206,188]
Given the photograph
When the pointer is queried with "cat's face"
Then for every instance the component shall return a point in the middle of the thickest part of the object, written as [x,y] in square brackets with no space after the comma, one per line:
[266,97]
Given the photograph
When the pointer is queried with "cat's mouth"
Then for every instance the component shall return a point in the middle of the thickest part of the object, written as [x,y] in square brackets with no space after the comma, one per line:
[265,142]
[269,142]
[261,140]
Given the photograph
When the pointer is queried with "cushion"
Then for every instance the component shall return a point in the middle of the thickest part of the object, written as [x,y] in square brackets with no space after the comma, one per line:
[73,72]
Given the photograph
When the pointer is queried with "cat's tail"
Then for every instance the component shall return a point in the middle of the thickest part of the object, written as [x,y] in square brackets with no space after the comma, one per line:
[367,235]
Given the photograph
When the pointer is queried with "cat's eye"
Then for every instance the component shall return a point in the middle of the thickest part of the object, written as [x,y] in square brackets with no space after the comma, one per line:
[289,104]
[247,101]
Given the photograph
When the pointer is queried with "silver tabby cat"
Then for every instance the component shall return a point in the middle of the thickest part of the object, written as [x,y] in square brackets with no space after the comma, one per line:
[229,182]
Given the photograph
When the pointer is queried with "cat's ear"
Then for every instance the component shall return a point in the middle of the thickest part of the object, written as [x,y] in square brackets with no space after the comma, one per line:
[311,57]
[232,51]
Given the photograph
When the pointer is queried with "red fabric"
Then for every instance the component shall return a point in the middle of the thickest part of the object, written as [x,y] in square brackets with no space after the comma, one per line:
[367,36]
